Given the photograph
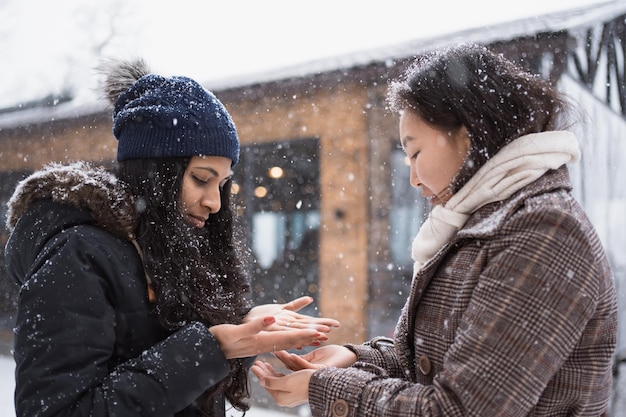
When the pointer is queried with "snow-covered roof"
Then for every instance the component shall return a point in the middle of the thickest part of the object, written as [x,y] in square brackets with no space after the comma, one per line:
[566,20]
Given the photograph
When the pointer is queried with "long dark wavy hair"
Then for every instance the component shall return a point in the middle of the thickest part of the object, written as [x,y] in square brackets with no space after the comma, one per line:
[197,273]
[496,100]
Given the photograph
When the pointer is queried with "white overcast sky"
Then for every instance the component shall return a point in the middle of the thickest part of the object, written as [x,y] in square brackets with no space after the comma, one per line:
[46,45]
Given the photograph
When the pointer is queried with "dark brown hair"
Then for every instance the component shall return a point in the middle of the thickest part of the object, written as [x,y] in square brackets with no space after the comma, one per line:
[468,85]
[197,273]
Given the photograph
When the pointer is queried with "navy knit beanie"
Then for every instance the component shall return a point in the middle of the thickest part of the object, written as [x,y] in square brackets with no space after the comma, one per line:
[172,117]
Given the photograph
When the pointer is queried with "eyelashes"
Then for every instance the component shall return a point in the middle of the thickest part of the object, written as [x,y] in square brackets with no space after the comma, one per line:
[200,181]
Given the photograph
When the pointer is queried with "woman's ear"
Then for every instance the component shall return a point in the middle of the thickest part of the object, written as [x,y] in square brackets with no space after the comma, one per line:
[462,136]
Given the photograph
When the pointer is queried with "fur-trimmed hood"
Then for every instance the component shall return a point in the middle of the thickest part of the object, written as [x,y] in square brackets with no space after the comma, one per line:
[82,186]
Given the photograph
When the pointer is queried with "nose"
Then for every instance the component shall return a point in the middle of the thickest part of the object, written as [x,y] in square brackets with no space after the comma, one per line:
[212,200]
[413,179]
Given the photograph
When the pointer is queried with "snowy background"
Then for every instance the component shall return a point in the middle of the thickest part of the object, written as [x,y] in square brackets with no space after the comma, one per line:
[52,47]
[6,386]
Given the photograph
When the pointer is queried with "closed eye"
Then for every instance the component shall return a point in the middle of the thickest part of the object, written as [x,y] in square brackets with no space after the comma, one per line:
[200,181]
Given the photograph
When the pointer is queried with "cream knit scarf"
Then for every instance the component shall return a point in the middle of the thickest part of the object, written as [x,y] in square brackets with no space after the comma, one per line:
[516,165]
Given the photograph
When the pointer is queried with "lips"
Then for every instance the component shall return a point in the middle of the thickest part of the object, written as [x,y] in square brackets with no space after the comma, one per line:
[197,221]
[425,192]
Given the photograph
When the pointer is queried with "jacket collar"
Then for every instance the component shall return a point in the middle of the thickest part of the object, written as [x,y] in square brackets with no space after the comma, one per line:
[488,219]
[81,186]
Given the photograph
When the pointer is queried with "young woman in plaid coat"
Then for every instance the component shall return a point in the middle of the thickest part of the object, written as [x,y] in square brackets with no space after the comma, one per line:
[512,309]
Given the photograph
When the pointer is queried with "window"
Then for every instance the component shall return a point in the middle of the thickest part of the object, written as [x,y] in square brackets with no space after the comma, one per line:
[407,212]
[277,186]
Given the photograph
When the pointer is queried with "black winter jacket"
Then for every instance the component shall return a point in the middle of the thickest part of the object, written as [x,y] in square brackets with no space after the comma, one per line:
[86,340]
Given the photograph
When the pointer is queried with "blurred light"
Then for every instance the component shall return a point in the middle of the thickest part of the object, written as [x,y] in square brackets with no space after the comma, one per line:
[260,191]
[275,172]
[234,188]
[407,161]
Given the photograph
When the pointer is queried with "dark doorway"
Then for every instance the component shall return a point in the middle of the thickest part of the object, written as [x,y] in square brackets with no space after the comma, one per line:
[277,186]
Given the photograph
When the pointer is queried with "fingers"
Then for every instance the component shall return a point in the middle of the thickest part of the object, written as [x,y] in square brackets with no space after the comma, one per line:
[292,339]
[269,378]
[291,320]
[306,323]
[263,369]
[320,324]
[329,322]
[265,337]
[298,303]
[287,390]
[253,338]
[294,362]
[257,325]
[270,341]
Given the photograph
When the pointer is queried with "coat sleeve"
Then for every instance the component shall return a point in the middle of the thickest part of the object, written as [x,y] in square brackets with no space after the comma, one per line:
[379,351]
[65,341]
[534,297]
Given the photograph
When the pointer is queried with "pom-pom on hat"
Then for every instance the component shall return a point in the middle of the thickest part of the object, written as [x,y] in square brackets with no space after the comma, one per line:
[156,116]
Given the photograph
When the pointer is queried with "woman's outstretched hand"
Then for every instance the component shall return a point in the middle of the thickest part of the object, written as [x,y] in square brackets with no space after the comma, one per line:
[287,317]
[327,356]
[273,327]
[260,336]
[287,390]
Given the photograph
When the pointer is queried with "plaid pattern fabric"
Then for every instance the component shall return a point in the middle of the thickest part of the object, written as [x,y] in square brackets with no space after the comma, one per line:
[515,316]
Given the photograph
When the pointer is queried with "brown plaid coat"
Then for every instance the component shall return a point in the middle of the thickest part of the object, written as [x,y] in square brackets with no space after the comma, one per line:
[515,316]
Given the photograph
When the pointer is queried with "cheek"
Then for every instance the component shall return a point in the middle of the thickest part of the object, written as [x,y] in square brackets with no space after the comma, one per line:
[423,168]
[457,160]
[435,173]
[186,197]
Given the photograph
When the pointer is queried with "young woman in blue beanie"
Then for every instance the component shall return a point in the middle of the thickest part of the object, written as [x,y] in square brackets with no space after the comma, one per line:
[512,309]
[133,299]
